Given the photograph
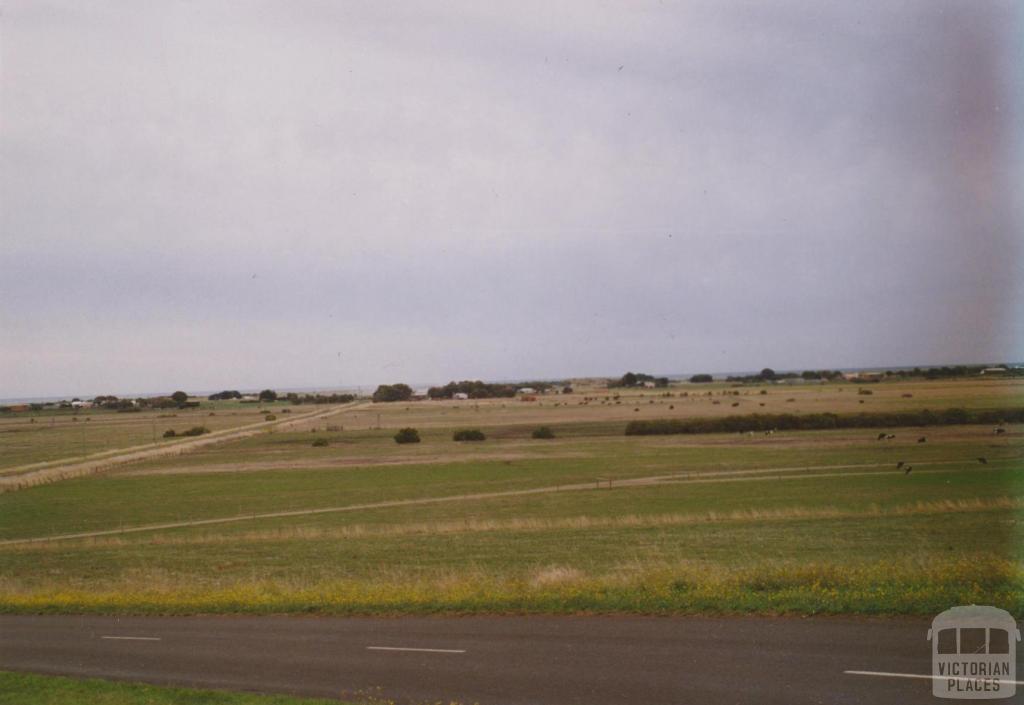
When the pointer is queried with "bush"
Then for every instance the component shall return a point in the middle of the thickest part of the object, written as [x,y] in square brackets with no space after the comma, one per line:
[393,392]
[196,431]
[469,434]
[543,432]
[169,433]
[407,435]
[320,442]
[270,417]
[701,379]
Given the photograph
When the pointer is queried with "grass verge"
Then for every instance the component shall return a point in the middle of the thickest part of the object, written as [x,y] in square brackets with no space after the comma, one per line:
[31,689]
[920,587]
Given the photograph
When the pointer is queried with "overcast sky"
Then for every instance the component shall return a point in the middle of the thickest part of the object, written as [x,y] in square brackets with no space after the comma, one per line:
[207,195]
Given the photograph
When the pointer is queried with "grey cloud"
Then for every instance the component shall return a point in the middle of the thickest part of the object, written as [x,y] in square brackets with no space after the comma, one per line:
[468,190]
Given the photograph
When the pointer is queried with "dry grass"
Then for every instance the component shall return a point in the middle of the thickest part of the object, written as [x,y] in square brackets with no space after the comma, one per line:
[440,528]
[808,398]
[20,478]
[909,586]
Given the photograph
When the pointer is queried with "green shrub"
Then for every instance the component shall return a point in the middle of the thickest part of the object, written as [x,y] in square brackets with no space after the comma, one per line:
[543,432]
[469,434]
[196,431]
[169,433]
[320,443]
[407,435]
[270,417]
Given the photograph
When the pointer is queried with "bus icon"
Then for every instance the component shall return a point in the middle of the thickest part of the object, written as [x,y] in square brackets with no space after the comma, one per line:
[974,653]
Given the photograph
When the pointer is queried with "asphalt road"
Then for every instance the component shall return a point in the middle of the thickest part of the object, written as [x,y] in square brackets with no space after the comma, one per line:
[493,660]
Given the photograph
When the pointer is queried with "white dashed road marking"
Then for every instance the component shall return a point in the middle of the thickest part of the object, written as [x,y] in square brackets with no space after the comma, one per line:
[410,648]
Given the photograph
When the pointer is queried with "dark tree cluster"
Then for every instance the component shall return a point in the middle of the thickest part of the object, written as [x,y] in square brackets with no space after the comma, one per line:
[294,398]
[635,379]
[475,389]
[226,394]
[109,401]
[821,374]
[701,379]
[393,392]
[407,435]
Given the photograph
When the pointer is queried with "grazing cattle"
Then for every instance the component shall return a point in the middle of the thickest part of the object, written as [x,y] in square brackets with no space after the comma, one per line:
[881,436]
[900,464]
[890,436]
[999,431]
[922,439]
[907,470]
[983,461]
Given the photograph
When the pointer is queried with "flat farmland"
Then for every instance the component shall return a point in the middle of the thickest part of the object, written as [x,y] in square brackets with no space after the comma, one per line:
[37,437]
[700,400]
[591,520]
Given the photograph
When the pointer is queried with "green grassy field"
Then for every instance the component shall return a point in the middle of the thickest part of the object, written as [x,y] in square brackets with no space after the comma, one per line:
[805,521]
[29,689]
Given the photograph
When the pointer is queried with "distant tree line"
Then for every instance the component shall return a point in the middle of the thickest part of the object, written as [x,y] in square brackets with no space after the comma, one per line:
[809,422]
[637,379]
[475,389]
[947,372]
[821,374]
[225,395]
[294,398]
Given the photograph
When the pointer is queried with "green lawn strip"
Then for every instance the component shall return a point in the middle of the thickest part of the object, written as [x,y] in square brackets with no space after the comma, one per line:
[32,689]
[854,492]
[110,501]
